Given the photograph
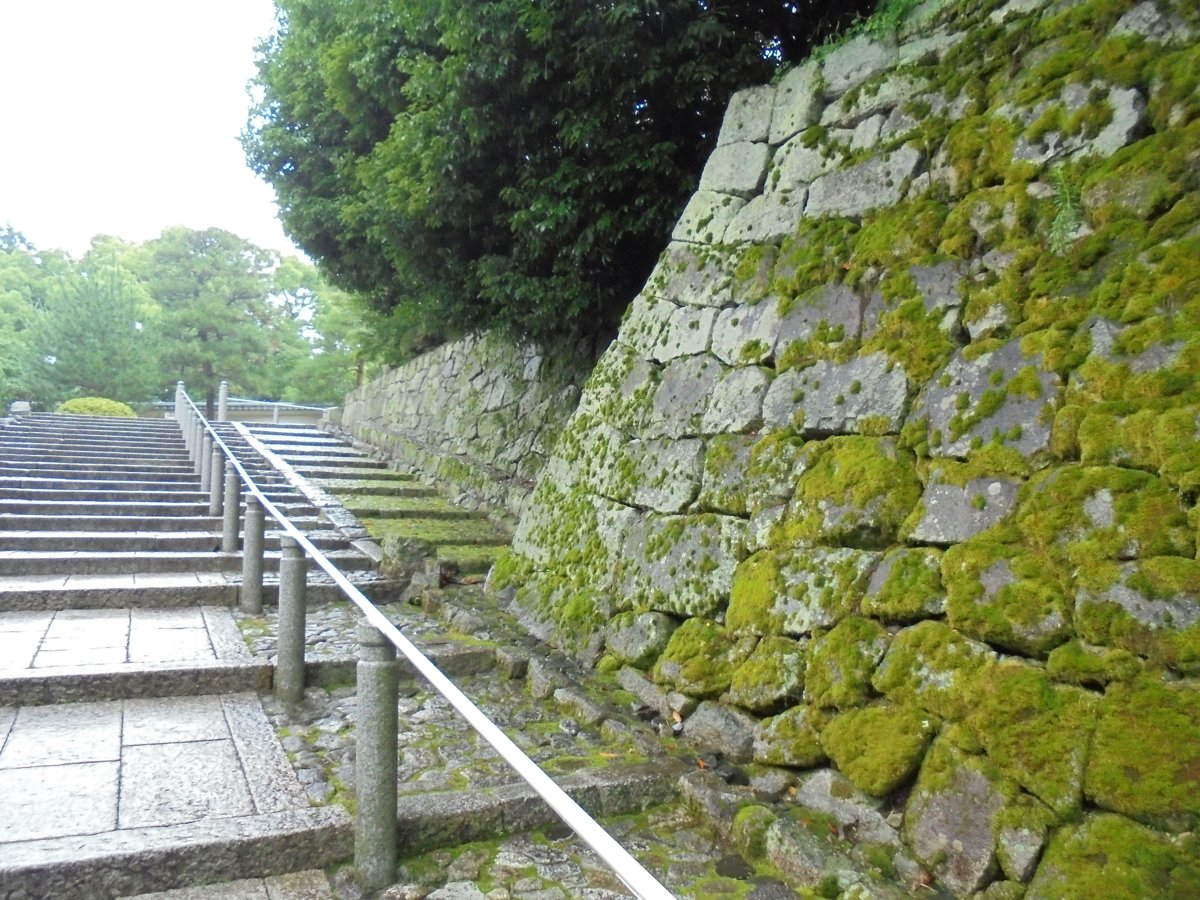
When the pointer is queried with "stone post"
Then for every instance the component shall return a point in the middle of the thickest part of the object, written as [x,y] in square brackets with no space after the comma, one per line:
[223,402]
[229,525]
[250,598]
[289,665]
[204,461]
[189,432]
[215,468]
[275,414]
[197,439]
[375,760]
[179,405]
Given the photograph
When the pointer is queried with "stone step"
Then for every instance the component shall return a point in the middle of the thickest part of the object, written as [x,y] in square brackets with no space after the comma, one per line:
[96,484]
[93,457]
[116,508]
[387,489]
[52,469]
[147,541]
[418,508]
[24,522]
[339,473]
[152,795]
[362,463]
[309,885]
[98,425]
[192,495]
[469,559]
[169,590]
[30,443]
[81,562]
[470,531]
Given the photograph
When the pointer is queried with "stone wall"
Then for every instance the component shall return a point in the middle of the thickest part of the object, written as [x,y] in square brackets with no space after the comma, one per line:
[889,481]
[479,415]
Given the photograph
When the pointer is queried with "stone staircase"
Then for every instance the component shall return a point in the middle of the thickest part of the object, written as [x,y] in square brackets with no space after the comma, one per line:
[141,749]
[135,753]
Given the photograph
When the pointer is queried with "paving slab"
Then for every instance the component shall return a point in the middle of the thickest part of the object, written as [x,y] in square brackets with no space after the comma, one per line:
[309,885]
[54,801]
[169,784]
[58,735]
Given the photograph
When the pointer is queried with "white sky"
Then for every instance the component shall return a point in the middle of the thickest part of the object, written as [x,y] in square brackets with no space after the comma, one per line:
[122,117]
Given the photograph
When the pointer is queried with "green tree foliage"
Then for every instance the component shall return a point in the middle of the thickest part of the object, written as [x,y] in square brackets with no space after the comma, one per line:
[509,163]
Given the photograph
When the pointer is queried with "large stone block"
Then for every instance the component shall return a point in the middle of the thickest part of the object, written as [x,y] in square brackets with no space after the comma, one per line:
[1000,395]
[662,475]
[735,405]
[771,678]
[878,182]
[737,169]
[792,738]
[682,397]
[841,662]
[692,276]
[688,332]
[768,217]
[953,510]
[798,101]
[745,334]
[706,217]
[932,666]
[748,115]
[952,818]
[637,638]
[856,61]
[868,393]
[721,728]
[682,565]
[700,659]
[723,487]
[907,587]
[879,748]
[832,312]
[798,163]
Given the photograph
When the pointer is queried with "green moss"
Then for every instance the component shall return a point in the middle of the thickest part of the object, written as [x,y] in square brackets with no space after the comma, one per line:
[749,833]
[1035,732]
[771,678]
[509,570]
[1109,856]
[912,336]
[815,255]
[1089,666]
[792,738]
[910,588]
[757,587]
[700,659]
[858,492]
[1087,513]
[1145,759]
[879,748]
[841,662]
[1016,600]
[932,666]
[1165,441]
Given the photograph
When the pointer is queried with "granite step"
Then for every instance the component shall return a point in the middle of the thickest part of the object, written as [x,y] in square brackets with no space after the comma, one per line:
[117,508]
[144,540]
[21,522]
[81,562]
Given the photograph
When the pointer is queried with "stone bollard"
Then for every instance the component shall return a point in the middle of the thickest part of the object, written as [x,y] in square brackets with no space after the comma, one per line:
[229,525]
[179,404]
[223,402]
[289,665]
[204,461]
[216,466]
[250,598]
[375,760]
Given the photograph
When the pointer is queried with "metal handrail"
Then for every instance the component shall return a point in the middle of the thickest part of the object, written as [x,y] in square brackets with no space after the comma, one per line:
[631,873]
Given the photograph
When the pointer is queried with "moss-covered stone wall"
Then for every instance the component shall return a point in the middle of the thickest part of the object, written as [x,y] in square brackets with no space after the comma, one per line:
[890,480]
[479,415]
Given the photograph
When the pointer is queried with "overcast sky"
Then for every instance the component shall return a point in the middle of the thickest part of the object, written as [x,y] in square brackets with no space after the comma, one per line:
[122,117]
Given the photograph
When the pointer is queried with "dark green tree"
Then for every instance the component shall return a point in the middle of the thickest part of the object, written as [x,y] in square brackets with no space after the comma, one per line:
[509,163]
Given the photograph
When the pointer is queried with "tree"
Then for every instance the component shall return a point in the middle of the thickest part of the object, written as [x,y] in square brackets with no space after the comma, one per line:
[216,320]
[511,163]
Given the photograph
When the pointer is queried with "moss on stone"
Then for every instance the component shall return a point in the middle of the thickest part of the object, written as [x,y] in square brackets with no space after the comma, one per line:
[700,659]
[1145,758]
[910,588]
[753,603]
[792,738]
[749,832]
[1161,440]
[1088,666]
[879,748]
[771,678]
[1088,513]
[912,336]
[932,666]
[858,492]
[1010,598]
[1106,855]
[841,662]
[1036,732]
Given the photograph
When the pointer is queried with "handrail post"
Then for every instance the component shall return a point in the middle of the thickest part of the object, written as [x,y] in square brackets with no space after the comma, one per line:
[204,461]
[229,526]
[289,664]
[216,466]
[375,848]
[197,437]
[189,432]
[223,402]
[250,599]
[179,404]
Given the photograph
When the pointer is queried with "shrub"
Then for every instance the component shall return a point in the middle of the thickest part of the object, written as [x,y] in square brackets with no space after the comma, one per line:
[95,406]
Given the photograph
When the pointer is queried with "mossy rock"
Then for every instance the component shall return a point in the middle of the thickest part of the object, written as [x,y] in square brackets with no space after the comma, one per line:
[1015,600]
[879,748]
[1145,758]
[1166,442]
[1085,514]
[700,659]
[1089,666]
[841,662]
[637,638]
[1034,731]
[858,493]
[771,678]
[792,738]
[952,817]
[1106,855]
[723,488]
[1150,607]
[777,461]
[906,587]
[797,591]
[932,666]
